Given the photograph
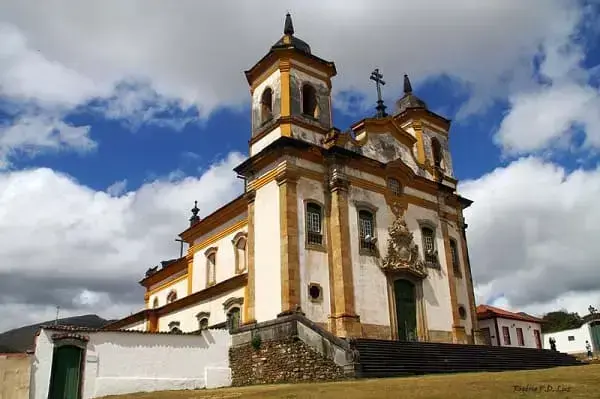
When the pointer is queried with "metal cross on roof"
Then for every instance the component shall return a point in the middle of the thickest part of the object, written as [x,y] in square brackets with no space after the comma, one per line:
[378,78]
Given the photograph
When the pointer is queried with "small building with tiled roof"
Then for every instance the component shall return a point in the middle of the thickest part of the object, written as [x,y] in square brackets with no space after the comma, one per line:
[500,327]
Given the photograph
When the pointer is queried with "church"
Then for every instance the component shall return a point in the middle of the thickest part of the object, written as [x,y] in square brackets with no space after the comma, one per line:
[362,230]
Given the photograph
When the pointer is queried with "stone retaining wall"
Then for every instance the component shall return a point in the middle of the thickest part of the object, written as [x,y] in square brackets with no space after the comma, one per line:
[289,360]
[292,349]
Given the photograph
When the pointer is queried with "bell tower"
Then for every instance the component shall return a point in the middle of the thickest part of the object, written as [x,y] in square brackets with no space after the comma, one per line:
[291,93]
[431,131]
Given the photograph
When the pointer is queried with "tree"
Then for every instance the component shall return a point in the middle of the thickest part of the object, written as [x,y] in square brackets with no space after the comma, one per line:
[561,320]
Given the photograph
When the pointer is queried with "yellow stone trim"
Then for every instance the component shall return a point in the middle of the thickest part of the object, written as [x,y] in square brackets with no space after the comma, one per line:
[266,178]
[249,301]
[451,282]
[290,255]
[190,266]
[469,281]
[214,238]
[418,127]
[284,67]
[167,285]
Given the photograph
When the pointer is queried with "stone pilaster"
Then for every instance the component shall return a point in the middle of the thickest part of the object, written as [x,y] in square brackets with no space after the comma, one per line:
[290,257]
[249,292]
[152,317]
[344,321]
[476,335]
[458,331]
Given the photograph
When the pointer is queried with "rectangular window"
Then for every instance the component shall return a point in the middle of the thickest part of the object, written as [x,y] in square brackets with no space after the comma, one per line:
[366,227]
[314,231]
[394,186]
[571,338]
[520,338]
[429,246]
[455,258]
[506,335]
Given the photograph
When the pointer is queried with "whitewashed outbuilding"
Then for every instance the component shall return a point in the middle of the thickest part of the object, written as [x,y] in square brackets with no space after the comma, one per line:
[500,327]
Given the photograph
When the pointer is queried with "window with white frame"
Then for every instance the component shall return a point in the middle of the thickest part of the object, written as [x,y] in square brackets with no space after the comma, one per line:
[429,250]
[394,186]
[314,224]
[366,227]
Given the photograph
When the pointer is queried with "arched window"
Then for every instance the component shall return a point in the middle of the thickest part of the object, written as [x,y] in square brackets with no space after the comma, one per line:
[211,266]
[462,312]
[266,105]
[202,318]
[239,246]
[155,303]
[314,224]
[455,258]
[394,186]
[233,318]
[309,101]
[429,245]
[203,323]
[366,226]
[436,149]
[172,297]
[174,327]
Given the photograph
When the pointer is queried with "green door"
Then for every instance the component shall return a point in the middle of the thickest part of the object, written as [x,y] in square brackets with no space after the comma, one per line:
[595,330]
[406,310]
[66,372]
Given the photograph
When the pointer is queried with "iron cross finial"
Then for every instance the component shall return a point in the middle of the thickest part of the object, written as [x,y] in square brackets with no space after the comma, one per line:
[378,78]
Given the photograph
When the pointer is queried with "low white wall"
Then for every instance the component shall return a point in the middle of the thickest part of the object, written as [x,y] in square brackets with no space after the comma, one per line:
[576,345]
[125,362]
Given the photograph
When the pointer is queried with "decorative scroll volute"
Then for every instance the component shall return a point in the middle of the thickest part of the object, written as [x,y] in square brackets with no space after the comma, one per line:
[402,252]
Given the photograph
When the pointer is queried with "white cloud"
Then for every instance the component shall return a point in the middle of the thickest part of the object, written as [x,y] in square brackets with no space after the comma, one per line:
[85,250]
[545,115]
[196,52]
[532,234]
[32,134]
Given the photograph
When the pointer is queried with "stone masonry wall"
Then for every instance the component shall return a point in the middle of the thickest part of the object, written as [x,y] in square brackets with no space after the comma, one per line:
[286,360]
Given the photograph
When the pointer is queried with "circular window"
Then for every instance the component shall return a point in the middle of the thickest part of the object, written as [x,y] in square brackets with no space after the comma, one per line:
[314,290]
[462,312]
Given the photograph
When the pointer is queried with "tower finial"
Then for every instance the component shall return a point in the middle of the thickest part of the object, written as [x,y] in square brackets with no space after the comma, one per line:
[407,85]
[195,218]
[288,28]
[378,78]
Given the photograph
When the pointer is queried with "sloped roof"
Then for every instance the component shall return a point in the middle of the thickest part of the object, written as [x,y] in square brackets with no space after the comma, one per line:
[489,312]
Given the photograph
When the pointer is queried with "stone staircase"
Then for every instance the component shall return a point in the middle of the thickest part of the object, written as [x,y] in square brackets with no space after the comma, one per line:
[380,358]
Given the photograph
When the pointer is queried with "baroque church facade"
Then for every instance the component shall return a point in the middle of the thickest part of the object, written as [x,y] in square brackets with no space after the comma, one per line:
[361,231]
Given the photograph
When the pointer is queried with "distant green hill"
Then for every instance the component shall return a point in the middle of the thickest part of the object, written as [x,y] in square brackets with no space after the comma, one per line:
[22,339]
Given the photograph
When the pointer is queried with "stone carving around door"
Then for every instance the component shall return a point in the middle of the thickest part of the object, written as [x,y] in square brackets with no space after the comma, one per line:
[402,253]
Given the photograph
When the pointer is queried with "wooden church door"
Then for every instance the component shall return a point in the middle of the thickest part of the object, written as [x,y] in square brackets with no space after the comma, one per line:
[406,310]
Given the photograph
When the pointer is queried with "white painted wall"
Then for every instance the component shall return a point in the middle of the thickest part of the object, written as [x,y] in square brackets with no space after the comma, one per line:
[307,135]
[527,327]
[187,316]
[314,265]
[577,345]
[370,282]
[225,259]
[436,290]
[489,323]
[138,326]
[528,332]
[267,252]
[265,141]
[181,287]
[120,363]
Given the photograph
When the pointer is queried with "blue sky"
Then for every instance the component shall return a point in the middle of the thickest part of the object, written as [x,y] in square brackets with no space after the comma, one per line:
[155,102]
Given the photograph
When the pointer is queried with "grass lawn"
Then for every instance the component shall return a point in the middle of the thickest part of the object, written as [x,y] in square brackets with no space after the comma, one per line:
[563,382]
